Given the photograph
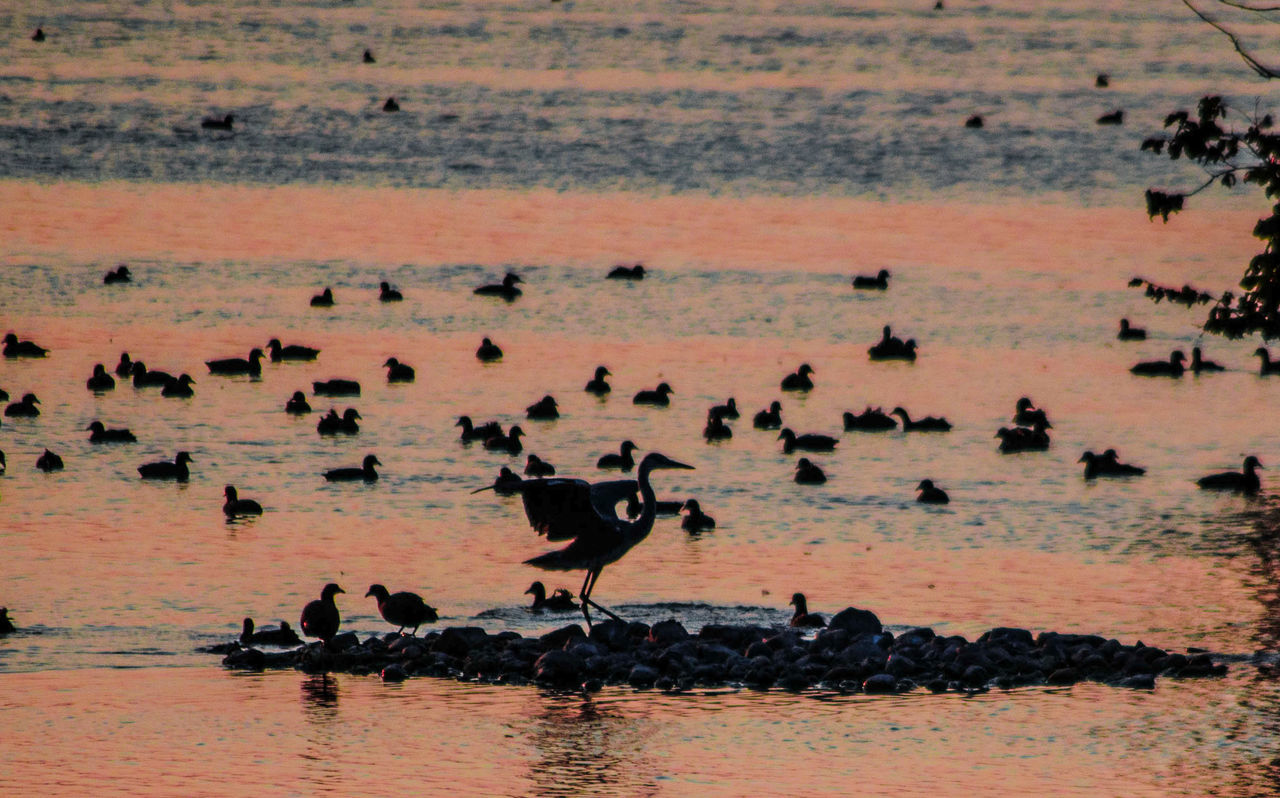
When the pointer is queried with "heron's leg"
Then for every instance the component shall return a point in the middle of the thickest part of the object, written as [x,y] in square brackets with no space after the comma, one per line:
[585,596]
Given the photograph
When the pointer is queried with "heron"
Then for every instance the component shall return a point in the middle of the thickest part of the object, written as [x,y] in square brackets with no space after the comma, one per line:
[564,509]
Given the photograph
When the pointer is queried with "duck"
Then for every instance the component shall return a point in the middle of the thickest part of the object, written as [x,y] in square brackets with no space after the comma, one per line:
[727,410]
[15,348]
[695,520]
[26,408]
[368,58]
[770,418]
[227,122]
[623,461]
[973,122]
[542,410]
[100,381]
[324,299]
[802,618]
[290,352]
[1241,482]
[879,282]
[509,443]
[488,351]
[320,616]
[538,468]
[506,289]
[388,294]
[1102,81]
[1107,464]
[871,420]
[49,462]
[177,470]
[402,609]
[179,387]
[283,637]
[1026,414]
[1162,368]
[145,378]
[559,601]
[1199,364]
[390,106]
[1116,117]
[365,472]
[125,367]
[1268,365]
[1128,333]
[799,381]
[807,473]
[1023,439]
[931,494]
[597,384]
[890,347]
[6,625]
[634,506]
[397,371]
[251,366]
[658,397]
[805,443]
[297,404]
[635,272]
[333,424]
[119,274]
[336,387]
[38,36]
[716,429]
[483,432]
[507,482]
[235,506]
[100,434]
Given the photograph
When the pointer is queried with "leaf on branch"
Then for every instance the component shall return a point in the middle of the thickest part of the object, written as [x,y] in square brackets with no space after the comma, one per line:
[1179,118]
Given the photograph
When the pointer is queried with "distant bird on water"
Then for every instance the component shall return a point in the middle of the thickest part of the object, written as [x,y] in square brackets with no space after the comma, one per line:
[974,122]
[635,272]
[879,282]
[365,472]
[390,106]
[623,461]
[770,418]
[727,410]
[402,609]
[388,294]
[1102,81]
[559,601]
[336,387]
[1026,414]
[324,299]
[488,351]
[25,408]
[38,36]
[509,443]
[597,384]
[810,442]
[545,409]
[1107,464]
[235,506]
[15,348]
[235,366]
[1199,364]
[1268,365]
[119,274]
[1116,117]
[799,381]
[658,397]
[6,625]
[100,381]
[297,404]
[49,462]
[564,509]
[284,636]
[1128,333]
[538,468]
[1246,481]
[146,378]
[931,494]
[716,429]
[368,58]
[125,367]
[320,617]
[483,432]
[873,419]
[1162,368]
[890,347]
[290,352]
[809,474]
[397,371]
[695,520]
[100,434]
[506,483]
[177,470]
[333,424]
[802,617]
[179,387]
[504,290]
[1022,439]
[227,122]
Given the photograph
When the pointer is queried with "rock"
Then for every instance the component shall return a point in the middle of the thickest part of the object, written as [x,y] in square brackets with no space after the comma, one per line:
[558,668]
[880,683]
[666,633]
[1064,676]
[344,641]
[1020,637]
[559,637]
[1142,681]
[856,621]
[737,638]
[394,673]
[758,649]
[245,659]
[611,634]
[642,677]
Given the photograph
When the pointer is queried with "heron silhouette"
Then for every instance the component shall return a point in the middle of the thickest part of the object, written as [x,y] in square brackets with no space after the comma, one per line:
[564,509]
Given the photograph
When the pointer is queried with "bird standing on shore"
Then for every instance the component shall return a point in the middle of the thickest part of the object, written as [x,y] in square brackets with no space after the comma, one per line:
[320,617]
[402,609]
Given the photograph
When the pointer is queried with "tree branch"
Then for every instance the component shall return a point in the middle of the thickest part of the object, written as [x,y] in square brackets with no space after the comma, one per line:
[1252,62]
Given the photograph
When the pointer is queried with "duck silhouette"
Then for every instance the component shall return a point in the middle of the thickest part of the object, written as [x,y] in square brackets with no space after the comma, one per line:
[559,601]
[388,294]
[291,352]
[177,470]
[505,290]
[98,433]
[402,609]
[49,462]
[483,432]
[119,274]
[15,348]
[488,351]
[363,473]
[770,418]
[1107,464]
[101,381]
[1199,364]
[879,282]
[324,299]
[635,272]
[658,397]
[538,468]
[802,618]
[1245,481]
[623,461]
[24,408]
[871,420]
[1128,333]
[695,520]
[799,381]
[320,617]
[235,507]
[179,387]
[543,410]
[597,384]
[1162,368]
[807,473]
[297,404]
[397,371]
[931,494]
[1268,366]
[810,442]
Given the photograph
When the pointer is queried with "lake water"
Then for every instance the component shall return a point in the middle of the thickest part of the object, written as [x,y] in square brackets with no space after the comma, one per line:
[753,156]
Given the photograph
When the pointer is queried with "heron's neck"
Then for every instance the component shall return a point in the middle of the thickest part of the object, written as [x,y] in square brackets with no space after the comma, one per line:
[643,524]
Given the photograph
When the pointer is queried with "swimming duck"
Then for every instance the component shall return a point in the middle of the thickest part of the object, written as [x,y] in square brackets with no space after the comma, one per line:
[165,470]
[333,424]
[1102,81]
[25,408]
[507,482]
[626,273]
[1107,464]
[1162,368]
[596,384]
[695,520]
[38,36]
[807,473]
[235,506]
[1114,118]
[559,601]
[658,397]
[484,432]
[227,122]
[365,472]
[297,404]
[100,434]
[1198,364]
[506,289]
[890,347]
[538,468]
[284,636]
[125,367]
[543,410]
[290,352]
[509,443]
[336,387]
[1026,414]
[390,106]
[119,274]
[1268,365]
[402,609]
[802,617]
[1246,482]
[805,443]
[144,378]
[716,429]
[800,380]
[179,387]
[879,282]
[1022,439]
[388,294]
[49,462]
[727,410]
[635,506]
[769,419]
[488,351]
[368,58]
[1128,333]
[871,420]
[397,371]
[320,617]
[622,461]
[100,381]
[6,625]
[251,366]
[931,494]
[15,348]
[324,299]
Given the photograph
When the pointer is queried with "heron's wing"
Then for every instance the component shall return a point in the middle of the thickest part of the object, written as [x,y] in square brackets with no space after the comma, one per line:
[561,509]
[606,495]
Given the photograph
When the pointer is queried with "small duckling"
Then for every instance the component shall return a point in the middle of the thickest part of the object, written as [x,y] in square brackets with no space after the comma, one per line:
[695,520]
[931,494]
[769,419]
[506,483]
[363,473]
[146,378]
[505,290]
[1026,414]
[179,387]
[291,352]
[1164,368]
[333,424]
[807,473]
[727,410]
[177,470]
[397,371]
[810,442]
[509,443]
[716,429]
[483,432]
[488,351]
[538,468]
[597,384]
[125,367]
[402,609]
[297,404]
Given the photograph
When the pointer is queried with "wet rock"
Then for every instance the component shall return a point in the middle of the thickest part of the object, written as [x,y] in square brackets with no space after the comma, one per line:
[642,677]
[611,634]
[1064,676]
[880,683]
[737,638]
[394,673]
[665,633]
[758,649]
[558,668]
[559,637]
[344,641]
[246,659]
[856,621]
[1142,681]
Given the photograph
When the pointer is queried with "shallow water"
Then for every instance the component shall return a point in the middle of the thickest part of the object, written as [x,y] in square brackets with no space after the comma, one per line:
[751,185]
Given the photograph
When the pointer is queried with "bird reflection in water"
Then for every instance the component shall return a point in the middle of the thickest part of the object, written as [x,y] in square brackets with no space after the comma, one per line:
[320,697]
[589,748]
